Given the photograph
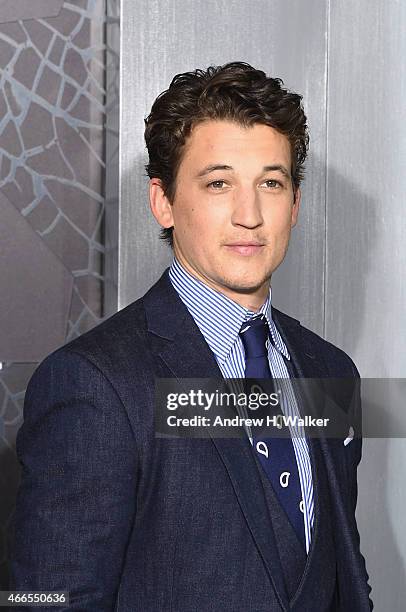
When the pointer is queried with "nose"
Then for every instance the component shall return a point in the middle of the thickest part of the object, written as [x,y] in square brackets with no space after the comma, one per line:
[246,209]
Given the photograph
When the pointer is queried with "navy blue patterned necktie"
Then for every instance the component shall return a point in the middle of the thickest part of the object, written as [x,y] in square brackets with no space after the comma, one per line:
[276,455]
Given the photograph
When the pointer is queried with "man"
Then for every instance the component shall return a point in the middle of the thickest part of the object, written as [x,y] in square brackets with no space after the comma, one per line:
[127,521]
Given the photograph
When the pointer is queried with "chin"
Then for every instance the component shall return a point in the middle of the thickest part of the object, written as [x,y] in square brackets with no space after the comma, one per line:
[245,285]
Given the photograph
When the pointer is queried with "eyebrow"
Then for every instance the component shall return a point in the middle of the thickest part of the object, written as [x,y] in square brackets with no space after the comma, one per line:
[208,169]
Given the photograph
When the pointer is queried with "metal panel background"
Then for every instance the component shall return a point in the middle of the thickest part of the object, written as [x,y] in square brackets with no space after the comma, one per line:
[366,252]
[163,37]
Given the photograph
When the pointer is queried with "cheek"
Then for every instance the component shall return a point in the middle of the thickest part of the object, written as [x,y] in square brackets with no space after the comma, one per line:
[191,228]
[279,221]
[200,221]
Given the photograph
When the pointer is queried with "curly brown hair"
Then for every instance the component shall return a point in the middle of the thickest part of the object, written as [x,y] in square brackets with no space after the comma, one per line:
[236,92]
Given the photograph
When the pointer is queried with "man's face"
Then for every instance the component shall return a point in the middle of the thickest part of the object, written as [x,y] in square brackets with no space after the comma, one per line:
[234,207]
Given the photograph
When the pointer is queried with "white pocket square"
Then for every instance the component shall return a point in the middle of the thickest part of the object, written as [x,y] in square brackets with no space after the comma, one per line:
[350,436]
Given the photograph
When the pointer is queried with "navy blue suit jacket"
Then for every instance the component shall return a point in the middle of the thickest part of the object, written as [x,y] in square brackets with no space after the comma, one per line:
[125,521]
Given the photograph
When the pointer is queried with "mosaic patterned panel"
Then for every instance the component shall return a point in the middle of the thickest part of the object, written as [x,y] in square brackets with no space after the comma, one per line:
[12,10]
[112,157]
[52,170]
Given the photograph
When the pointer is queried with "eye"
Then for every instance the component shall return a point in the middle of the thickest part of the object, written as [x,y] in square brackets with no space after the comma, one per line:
[272,183]
[216,185]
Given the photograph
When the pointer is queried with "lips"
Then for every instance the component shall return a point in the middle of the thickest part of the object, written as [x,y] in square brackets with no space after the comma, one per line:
[245,248]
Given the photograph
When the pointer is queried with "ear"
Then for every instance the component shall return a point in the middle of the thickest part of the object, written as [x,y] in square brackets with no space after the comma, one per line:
[160,206]
[295,207]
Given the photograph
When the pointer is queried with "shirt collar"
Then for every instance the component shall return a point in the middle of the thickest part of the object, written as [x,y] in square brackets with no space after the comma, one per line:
[218,317]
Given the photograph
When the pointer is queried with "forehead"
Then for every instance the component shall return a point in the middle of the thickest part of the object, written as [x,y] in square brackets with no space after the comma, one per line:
[229,142]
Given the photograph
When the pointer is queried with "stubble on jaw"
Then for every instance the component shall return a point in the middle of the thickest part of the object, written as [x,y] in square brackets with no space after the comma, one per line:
[233,287]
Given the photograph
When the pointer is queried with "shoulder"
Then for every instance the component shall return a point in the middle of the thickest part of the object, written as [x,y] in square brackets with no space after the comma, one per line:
[120,352]
[112,340]
[103,355]
[113,331]
[96,374]
[125,335]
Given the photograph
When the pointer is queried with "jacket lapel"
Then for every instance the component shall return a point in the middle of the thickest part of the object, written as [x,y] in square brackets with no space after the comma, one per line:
[330,452]
[306,365]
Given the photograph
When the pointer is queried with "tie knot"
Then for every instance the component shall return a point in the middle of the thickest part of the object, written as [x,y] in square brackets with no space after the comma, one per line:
[254,334]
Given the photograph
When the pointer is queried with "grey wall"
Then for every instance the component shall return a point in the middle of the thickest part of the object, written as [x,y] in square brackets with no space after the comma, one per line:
[343,276]
[365,294]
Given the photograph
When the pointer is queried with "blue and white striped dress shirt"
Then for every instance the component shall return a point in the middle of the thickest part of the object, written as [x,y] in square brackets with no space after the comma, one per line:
[219,320]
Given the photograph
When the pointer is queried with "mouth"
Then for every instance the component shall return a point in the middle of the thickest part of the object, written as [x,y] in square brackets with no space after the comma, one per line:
[245,248]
